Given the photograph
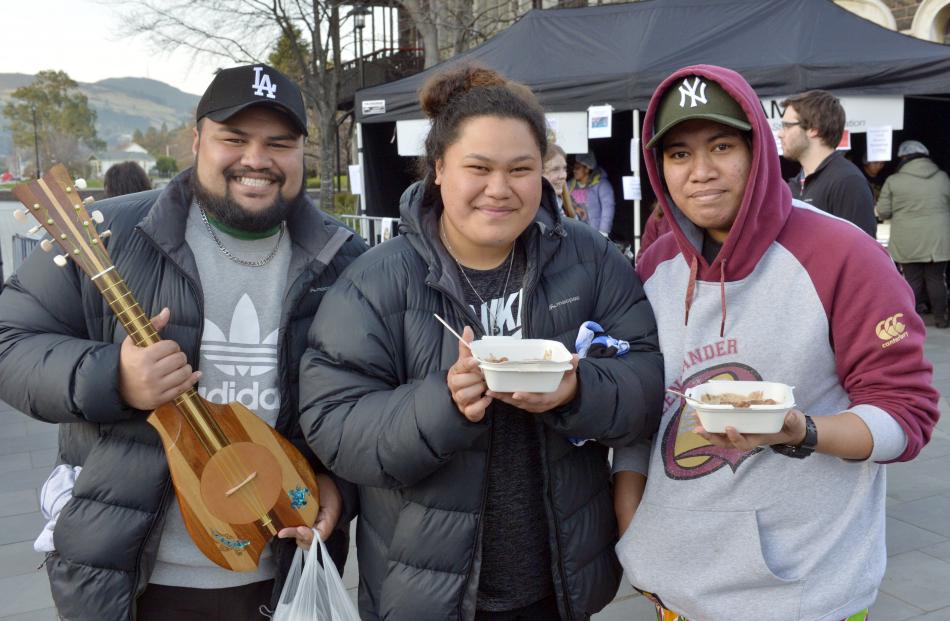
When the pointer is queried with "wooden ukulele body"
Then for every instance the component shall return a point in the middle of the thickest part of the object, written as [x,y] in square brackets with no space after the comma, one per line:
[271,484]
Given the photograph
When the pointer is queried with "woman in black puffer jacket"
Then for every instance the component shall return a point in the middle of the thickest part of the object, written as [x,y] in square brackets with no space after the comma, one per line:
[475,504]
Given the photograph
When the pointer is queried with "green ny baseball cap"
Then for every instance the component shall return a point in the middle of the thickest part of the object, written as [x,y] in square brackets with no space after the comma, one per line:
[696,97]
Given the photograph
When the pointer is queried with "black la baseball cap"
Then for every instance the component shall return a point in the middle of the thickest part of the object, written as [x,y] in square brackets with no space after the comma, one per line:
[696,97]
[235,89]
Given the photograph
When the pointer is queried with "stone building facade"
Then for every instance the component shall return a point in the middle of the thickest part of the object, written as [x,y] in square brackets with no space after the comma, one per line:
[924,19]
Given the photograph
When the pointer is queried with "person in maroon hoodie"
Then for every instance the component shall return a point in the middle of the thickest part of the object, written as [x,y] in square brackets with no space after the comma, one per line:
[751,285]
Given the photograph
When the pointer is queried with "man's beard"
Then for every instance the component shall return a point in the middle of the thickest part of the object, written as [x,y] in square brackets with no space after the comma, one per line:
[226,209]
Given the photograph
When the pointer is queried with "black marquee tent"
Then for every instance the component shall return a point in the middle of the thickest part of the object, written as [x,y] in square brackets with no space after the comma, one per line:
[617,54]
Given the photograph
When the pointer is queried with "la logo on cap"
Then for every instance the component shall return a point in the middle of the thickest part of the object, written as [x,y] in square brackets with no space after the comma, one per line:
[687,90]
[262,84]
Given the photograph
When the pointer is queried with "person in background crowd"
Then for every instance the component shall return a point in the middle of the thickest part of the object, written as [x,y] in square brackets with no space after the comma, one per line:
[875,174]
[786,525]
[477,504]
[555,171]
[812,126]
[125,178]
[230,257]
[916,199]
[592,193]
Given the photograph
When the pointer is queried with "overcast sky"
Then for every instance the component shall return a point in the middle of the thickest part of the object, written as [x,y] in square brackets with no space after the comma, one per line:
[84,39]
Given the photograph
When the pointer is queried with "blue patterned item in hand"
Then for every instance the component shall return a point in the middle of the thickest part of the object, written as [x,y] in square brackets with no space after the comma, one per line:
[593,342]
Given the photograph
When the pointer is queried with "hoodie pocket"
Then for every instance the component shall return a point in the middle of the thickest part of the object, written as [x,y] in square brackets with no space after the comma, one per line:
[706,564]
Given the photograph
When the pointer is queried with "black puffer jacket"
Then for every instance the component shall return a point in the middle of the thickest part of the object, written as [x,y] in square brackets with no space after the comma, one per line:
[59,355]
[376,409]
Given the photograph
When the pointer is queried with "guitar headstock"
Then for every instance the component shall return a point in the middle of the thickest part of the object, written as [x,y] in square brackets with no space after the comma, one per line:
[54,203]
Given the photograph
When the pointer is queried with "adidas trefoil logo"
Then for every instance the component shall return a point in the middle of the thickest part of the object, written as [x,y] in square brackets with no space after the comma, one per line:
[242,352]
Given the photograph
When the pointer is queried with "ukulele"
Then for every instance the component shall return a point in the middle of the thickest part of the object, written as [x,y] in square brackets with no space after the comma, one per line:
[238,481]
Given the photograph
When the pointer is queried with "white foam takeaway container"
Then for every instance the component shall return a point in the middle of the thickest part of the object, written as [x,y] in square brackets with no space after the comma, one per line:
[753,419]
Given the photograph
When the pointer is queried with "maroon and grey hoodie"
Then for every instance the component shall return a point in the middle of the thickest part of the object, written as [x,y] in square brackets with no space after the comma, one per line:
[798,296]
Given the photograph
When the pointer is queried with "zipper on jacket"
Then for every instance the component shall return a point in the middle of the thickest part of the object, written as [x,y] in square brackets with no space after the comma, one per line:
[547,475]
[478,530]
[163,506]
[481,511]
[526,330]
[557,536]
[284,345]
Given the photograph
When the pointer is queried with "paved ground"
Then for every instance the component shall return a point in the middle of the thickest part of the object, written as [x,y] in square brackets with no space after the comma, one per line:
[916,587]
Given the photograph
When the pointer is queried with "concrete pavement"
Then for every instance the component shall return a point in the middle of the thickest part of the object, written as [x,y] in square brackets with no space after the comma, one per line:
[916,586]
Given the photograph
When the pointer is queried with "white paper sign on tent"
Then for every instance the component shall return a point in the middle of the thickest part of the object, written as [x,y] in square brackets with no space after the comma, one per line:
[631,188]
[411,137]
[599,121]
[569,129]
[356,178]
[880,143]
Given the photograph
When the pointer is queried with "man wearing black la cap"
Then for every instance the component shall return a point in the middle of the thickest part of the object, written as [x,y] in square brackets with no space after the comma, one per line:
[231,260]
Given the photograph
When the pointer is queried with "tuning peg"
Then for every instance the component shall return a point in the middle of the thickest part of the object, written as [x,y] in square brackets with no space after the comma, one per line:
[20,215]
[88,200]
[105,234]
[46,245]
[80,184]
[60,260]
[97,217]
[36,229]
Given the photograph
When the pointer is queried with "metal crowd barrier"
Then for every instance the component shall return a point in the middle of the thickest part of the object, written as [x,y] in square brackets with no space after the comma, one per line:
[22,247]
[373,229]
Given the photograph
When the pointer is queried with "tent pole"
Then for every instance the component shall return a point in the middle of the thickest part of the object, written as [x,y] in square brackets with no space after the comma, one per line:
[635,166]
[361,209]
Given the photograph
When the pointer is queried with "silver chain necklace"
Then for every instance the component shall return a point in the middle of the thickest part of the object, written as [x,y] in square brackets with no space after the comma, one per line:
[228,254]
[493,326]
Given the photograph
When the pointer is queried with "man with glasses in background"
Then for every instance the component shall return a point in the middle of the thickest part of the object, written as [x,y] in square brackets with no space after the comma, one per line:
[812,126]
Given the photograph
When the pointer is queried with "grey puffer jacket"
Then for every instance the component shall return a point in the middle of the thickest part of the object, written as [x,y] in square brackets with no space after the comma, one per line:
[59,355]
[917,200]
[376,409]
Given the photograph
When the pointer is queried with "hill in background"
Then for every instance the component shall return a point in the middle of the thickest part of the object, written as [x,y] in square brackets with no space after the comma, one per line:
[122,105]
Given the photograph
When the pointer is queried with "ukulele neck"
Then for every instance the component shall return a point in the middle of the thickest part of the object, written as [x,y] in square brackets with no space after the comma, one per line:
[140,329]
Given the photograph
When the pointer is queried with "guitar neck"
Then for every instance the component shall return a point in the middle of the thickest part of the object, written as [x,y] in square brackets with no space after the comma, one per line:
[126,308]
[140,329]
[56,206]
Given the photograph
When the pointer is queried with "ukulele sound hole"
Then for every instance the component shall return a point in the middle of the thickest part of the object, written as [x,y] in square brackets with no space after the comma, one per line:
[241,483]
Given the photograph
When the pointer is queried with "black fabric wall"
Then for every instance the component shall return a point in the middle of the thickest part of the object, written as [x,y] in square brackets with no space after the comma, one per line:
[386,175]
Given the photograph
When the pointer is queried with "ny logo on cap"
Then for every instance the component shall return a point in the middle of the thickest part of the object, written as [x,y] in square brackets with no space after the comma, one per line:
[687,90]
[263,84]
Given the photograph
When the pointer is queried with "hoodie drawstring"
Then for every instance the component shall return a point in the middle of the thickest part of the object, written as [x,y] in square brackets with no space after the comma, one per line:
[722,297]
[691,292]
[691,287]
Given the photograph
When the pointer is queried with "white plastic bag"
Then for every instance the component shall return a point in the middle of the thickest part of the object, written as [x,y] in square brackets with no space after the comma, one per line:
[314,592]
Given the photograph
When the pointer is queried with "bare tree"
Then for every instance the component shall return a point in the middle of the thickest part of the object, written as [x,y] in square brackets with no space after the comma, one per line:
[449,27]
[246,31]
[424,17]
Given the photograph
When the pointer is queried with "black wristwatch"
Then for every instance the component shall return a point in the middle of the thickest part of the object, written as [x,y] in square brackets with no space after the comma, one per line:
[807,446]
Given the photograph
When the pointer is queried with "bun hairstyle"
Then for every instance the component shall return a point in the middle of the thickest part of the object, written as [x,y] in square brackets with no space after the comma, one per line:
[453,96]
